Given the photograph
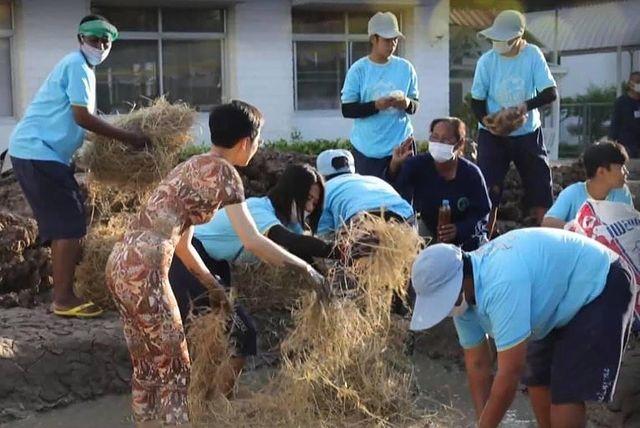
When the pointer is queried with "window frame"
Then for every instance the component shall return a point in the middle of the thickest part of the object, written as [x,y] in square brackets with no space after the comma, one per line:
[346,37]
[160,36]
[10,35]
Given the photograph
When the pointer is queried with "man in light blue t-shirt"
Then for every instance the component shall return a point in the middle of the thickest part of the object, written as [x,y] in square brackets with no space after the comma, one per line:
[557,304]
[42,145]
[604,164]
[380,92]
[513,75]
[348,194]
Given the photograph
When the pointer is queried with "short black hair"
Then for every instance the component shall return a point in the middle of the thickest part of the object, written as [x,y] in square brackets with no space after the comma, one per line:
[93,17]
[602,154]
[231,122]
[455,123]
[294,185]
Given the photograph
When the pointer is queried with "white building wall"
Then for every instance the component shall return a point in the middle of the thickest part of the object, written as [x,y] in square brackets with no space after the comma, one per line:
[260,61]
[428,49]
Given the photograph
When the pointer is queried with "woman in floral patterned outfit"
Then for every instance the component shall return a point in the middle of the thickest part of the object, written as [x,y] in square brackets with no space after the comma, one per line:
[137,270]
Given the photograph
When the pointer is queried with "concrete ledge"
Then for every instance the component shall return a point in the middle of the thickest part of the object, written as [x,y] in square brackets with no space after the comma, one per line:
[47,361]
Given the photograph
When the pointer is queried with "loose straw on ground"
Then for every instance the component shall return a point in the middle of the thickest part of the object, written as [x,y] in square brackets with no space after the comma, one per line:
[342,363]
[113,162]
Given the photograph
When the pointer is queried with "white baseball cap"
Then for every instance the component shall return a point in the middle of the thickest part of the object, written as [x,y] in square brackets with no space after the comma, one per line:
[327,164]
[436,277]
[385,25]
[508,25]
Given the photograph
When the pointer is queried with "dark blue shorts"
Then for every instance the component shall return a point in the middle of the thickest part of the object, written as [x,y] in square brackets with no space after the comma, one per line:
[192,298]
[580,361]
[54,196]
[529,155]
[370,166]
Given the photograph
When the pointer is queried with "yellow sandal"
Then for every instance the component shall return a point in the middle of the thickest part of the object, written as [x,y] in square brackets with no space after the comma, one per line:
[80,311]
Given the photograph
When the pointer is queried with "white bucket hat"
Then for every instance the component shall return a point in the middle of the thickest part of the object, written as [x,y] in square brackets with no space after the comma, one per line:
[436,277]
[385,25]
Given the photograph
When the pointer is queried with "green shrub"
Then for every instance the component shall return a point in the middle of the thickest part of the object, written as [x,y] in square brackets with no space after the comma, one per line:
[312,147]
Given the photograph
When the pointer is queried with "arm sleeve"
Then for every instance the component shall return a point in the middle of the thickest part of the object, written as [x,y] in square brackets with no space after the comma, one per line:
[357,110]
[78,85]
[545,97]
[413,92]
[479,209]
[561,208]
[614,129]
[479,108]
[305,247]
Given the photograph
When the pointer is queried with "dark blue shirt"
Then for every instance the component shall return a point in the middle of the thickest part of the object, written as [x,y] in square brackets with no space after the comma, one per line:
[418,181]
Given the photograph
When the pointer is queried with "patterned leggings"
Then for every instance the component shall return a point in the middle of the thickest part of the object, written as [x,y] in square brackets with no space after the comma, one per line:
[155,337]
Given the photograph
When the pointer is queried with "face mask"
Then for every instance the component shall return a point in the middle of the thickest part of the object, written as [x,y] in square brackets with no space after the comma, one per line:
[461,308]
[635,87]
[94,56]
[502,47]
[440,152]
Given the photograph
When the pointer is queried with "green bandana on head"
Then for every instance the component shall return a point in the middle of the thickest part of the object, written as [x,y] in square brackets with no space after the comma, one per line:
[98,28]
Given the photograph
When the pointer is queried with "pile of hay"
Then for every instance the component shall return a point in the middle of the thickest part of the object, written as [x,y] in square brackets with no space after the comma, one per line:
[23,264]
[342,363]
[113,162]
[90,274]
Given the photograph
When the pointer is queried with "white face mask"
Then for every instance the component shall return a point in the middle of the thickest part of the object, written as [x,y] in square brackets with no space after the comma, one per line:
[503,47]
[460,309]
[635,86]
[440,152]
[94,56]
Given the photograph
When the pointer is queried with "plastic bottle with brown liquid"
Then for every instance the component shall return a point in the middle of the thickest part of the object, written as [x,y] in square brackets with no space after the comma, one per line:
[444,214]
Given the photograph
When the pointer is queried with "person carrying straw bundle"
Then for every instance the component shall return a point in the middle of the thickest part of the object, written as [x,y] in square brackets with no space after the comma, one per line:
[137,269]
[42,145]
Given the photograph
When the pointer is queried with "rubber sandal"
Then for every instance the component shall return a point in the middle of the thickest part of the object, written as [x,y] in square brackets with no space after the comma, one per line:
[80,311]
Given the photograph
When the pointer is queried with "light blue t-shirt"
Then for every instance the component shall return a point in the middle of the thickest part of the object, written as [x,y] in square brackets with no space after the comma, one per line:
[507,82]
[349,194]
[220,240]
[48,130]
[530,281]
[377,135]
[571,199]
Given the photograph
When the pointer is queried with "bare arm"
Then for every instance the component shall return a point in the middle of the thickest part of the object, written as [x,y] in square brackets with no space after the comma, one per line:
[262,247]
[511,363]
[93,123]
[192,261]
[479,368]
[553,222]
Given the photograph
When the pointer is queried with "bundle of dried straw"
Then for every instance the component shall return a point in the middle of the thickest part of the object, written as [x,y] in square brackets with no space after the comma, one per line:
[90,273]
[341,362]
[113,162]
